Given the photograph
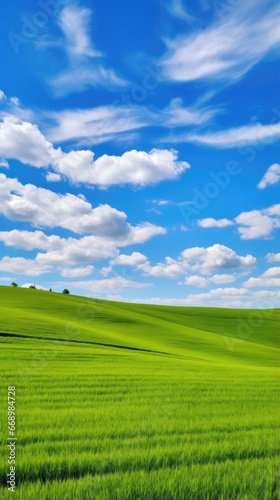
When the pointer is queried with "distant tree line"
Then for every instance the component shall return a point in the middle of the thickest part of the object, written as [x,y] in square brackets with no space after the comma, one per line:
[65,291]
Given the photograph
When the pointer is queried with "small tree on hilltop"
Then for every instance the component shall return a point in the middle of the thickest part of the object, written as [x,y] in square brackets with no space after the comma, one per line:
[33,286]
[14,284]
[65,291]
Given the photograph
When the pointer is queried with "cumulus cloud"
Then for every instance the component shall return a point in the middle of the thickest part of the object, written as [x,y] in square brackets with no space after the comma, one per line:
[225,50]
[273,257]
[114,122]
[71,257]
[193,260]
[44,208]
[29,240]
[72,252]
[20,265]
[209,222]
[258,223]
[133,167]
[270,278]
[23,141]
[52,177]
[216,257]
[202,282]
[136,259]
[272,176]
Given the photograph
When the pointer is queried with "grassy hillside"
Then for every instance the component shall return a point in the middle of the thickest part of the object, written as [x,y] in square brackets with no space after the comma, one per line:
[122,401]
[204,333]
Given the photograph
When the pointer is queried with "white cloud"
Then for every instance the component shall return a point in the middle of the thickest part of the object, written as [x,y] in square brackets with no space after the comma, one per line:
[273,257]
[171,268]
[209,222]
[29,240]
[77,272]
[133,167]
[15,101]
[24,142]
[176,115]
[141,233]
[20,265]
[78,80]
[85,67]
[75,24]
[198,281]
[201,281]
[6,278]
[235,297]
[71,257]
[97,125]
[272,176]
[4,163]
[270,278]
[52,177]
[177,9]
[44,208]
[258,223]
[109,284]
[222,279]
[195,259]
[72,252]
[2,95]
[239,136]
[227,49]
[136,259]
[38,287]
[223,297]
[205,260]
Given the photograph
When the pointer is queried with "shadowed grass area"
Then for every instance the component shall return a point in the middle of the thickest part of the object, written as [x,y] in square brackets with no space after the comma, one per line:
[114,422]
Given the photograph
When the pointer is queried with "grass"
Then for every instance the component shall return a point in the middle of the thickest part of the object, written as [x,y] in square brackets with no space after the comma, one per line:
[121,401]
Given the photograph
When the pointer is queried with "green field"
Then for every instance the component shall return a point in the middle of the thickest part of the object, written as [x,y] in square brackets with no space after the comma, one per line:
[119,401]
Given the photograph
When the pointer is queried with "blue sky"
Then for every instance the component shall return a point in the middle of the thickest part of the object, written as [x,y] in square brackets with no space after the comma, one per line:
[138,149]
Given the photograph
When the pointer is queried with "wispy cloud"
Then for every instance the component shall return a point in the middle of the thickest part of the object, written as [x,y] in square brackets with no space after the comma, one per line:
[235,137]
[113,122]
[176,115]
[272,176]
[226,50]
[177,9]
[75,25]
[86,66]
[96,125]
